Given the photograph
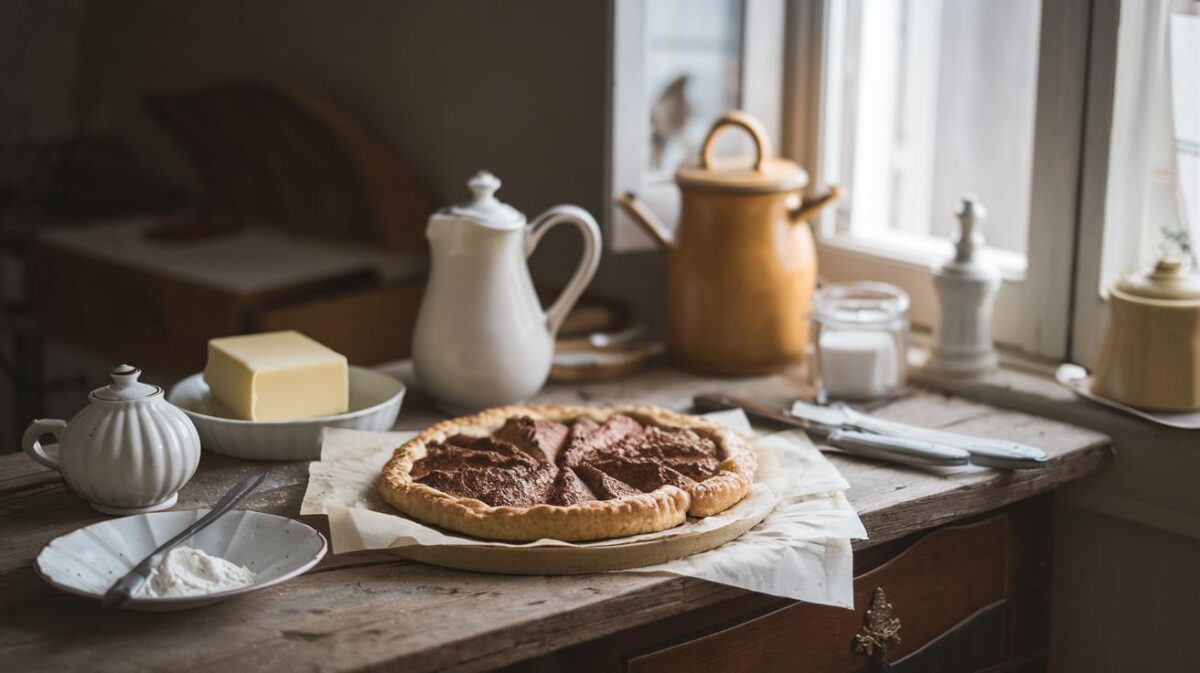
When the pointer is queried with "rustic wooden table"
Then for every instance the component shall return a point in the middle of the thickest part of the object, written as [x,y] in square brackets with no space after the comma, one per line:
[372,610]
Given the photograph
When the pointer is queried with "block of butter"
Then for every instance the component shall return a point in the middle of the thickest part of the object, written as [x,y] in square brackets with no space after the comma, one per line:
[277,376]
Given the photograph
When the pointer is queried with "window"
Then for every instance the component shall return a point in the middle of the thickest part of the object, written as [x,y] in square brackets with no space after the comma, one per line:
[678,65]
[1154,138]
[1076,122]
[1141,184]
[905,104]
[693,74]
[1184,96]
[934,100]
[908,105]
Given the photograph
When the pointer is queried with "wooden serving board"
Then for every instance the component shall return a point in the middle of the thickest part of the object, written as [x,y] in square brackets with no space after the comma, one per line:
[580,559]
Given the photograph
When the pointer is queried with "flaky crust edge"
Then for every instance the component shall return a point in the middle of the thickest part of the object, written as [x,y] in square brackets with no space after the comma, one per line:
[663,508]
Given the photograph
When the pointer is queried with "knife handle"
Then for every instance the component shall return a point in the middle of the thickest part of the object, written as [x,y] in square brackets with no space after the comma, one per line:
[994,453]
[869,445]
[897,449]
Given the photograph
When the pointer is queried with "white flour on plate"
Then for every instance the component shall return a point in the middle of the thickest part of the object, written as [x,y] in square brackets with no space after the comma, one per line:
[191,572]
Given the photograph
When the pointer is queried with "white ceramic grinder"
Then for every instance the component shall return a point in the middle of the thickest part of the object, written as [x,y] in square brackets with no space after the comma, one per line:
[966,288]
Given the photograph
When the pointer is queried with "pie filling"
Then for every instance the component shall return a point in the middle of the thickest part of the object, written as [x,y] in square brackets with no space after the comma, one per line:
[531,462]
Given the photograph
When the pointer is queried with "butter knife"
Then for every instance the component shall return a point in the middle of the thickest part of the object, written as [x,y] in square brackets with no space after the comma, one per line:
[869,445]
[120,594]
[996,453]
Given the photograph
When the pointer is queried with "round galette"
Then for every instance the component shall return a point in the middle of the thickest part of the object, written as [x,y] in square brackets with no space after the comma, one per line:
[570,473]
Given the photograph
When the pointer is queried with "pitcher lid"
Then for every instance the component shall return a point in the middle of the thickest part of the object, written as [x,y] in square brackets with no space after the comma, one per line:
[761,173]
[1169,279]
[125,386]
[484,207]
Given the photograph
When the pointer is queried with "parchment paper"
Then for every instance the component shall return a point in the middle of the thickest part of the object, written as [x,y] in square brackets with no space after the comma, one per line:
[801,550]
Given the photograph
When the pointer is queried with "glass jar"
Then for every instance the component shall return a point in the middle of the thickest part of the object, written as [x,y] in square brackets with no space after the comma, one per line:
[861,337]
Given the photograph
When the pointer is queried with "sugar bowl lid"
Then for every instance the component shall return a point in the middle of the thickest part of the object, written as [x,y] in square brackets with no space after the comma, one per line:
[125,386]
[1169,280]
[765,173]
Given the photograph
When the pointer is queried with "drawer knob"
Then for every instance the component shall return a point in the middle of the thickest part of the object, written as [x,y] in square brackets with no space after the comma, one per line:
[880,629]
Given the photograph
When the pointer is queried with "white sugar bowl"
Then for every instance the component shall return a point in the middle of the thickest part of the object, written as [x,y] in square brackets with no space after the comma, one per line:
[129,451]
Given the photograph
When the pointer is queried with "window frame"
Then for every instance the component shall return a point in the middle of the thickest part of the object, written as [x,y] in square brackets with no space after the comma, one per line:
[1077,72]
[761,94]
[1034,307]
[1089,313]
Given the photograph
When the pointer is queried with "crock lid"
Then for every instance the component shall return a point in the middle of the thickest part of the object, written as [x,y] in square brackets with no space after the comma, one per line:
[1169,279]
[125,386]
[761,173]
[484,207]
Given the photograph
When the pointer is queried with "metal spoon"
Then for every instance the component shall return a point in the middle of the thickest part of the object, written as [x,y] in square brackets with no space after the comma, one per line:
[120,594]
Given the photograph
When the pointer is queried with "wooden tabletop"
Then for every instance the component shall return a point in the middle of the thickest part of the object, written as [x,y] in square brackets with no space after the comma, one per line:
[369,610]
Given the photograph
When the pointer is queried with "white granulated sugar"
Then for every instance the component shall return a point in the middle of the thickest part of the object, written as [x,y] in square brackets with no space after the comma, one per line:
[191,572]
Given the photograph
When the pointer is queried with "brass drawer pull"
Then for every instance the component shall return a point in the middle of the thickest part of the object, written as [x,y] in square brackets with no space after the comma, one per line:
[879,630]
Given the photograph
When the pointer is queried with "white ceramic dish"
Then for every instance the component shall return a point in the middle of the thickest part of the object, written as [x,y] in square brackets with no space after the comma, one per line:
[87,561]
[374,403]
[1078,380]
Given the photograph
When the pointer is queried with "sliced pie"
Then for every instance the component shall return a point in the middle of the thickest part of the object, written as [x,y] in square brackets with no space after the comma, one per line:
[570,473]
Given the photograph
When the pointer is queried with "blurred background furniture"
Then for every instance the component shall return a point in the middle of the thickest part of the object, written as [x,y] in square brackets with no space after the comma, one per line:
[49,182]
[302,221]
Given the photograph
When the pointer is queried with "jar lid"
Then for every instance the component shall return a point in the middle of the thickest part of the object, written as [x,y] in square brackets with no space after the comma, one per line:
[125,386]
[484,207]
[1169,279]
[761,173]
[861,303]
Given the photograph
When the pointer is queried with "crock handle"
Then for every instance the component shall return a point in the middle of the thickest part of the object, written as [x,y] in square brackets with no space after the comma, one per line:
[587,266]
[31,440]
[762,142]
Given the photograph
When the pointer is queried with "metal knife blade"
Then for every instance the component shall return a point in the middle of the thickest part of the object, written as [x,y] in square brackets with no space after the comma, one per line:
[995,453]
[880,447]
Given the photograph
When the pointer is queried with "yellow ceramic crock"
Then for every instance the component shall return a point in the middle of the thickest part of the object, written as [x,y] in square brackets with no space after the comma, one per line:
[1151,354]
[742,264]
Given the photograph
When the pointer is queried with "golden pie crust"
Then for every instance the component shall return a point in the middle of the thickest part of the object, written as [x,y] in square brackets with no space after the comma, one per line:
[666,507]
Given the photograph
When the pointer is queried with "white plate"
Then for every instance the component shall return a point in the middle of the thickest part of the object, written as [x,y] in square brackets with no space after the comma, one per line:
[1078,380]
[87,561]
[374,403]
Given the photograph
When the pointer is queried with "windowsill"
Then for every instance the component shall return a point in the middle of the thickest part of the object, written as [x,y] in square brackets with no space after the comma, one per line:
[1151,481]
[924,251]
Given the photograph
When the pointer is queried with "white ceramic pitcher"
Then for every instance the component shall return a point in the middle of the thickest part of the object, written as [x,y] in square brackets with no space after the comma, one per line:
[482,338]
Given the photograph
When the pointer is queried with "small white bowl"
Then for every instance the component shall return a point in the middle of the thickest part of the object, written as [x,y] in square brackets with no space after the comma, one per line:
[374,403]
[87,561]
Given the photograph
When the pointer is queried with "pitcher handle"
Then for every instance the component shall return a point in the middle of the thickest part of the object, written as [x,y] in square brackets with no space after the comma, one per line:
[587,266]
[32,444]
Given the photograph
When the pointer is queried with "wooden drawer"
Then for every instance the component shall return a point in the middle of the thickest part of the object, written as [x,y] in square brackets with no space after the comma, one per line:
[368,325]
[968,597]
[129,315]
[933,586]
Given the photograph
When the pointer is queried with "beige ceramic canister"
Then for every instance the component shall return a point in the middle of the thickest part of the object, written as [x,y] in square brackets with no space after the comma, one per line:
[1151,354]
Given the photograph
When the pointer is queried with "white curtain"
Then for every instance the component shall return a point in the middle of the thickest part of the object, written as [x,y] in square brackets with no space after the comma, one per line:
[1144,208]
